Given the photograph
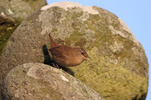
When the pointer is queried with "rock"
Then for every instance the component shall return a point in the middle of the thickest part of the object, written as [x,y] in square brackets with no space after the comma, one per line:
[20,9]
[12,12]
[35,81]
[118,68]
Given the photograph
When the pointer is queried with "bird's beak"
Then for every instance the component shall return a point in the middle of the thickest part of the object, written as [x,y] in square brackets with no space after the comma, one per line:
[86,57]
[89,57]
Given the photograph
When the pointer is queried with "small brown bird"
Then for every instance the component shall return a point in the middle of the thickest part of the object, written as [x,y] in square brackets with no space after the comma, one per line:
[66,56]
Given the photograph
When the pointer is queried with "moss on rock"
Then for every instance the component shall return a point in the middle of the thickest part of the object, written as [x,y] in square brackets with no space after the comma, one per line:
[118,68]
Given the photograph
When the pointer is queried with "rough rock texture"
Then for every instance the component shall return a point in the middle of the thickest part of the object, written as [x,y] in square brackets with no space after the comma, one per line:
[20,9]
[12,12]
[42,82]
[118,68]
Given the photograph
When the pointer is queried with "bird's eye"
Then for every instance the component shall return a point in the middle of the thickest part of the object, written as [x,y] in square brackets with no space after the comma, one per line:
[82,53]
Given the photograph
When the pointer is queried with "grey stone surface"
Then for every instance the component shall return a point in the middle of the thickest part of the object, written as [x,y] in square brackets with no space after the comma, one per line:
[118,68]
[20,9]
[12,13]
[35,81]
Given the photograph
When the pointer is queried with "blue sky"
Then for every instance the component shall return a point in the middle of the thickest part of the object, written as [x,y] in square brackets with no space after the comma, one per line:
[137,16]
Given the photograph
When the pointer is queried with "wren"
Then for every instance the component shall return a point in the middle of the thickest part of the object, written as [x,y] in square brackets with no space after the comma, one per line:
[66,56]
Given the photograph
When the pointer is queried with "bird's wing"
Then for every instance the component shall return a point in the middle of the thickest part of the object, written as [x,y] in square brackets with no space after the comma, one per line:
[58,52]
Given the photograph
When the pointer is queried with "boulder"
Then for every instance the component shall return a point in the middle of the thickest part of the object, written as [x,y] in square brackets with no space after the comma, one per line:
[35,81]
[118,68]
[12,12]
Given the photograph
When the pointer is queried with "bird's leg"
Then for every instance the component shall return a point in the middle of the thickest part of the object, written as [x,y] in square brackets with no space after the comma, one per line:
[55,65]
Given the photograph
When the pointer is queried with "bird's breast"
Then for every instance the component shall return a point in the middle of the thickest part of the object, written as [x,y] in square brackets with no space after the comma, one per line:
[73,61]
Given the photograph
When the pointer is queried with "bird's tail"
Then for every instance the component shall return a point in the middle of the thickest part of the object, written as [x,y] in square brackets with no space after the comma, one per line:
[53,42]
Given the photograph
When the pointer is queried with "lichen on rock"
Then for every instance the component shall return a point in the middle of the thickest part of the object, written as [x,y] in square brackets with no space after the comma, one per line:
[118,68]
